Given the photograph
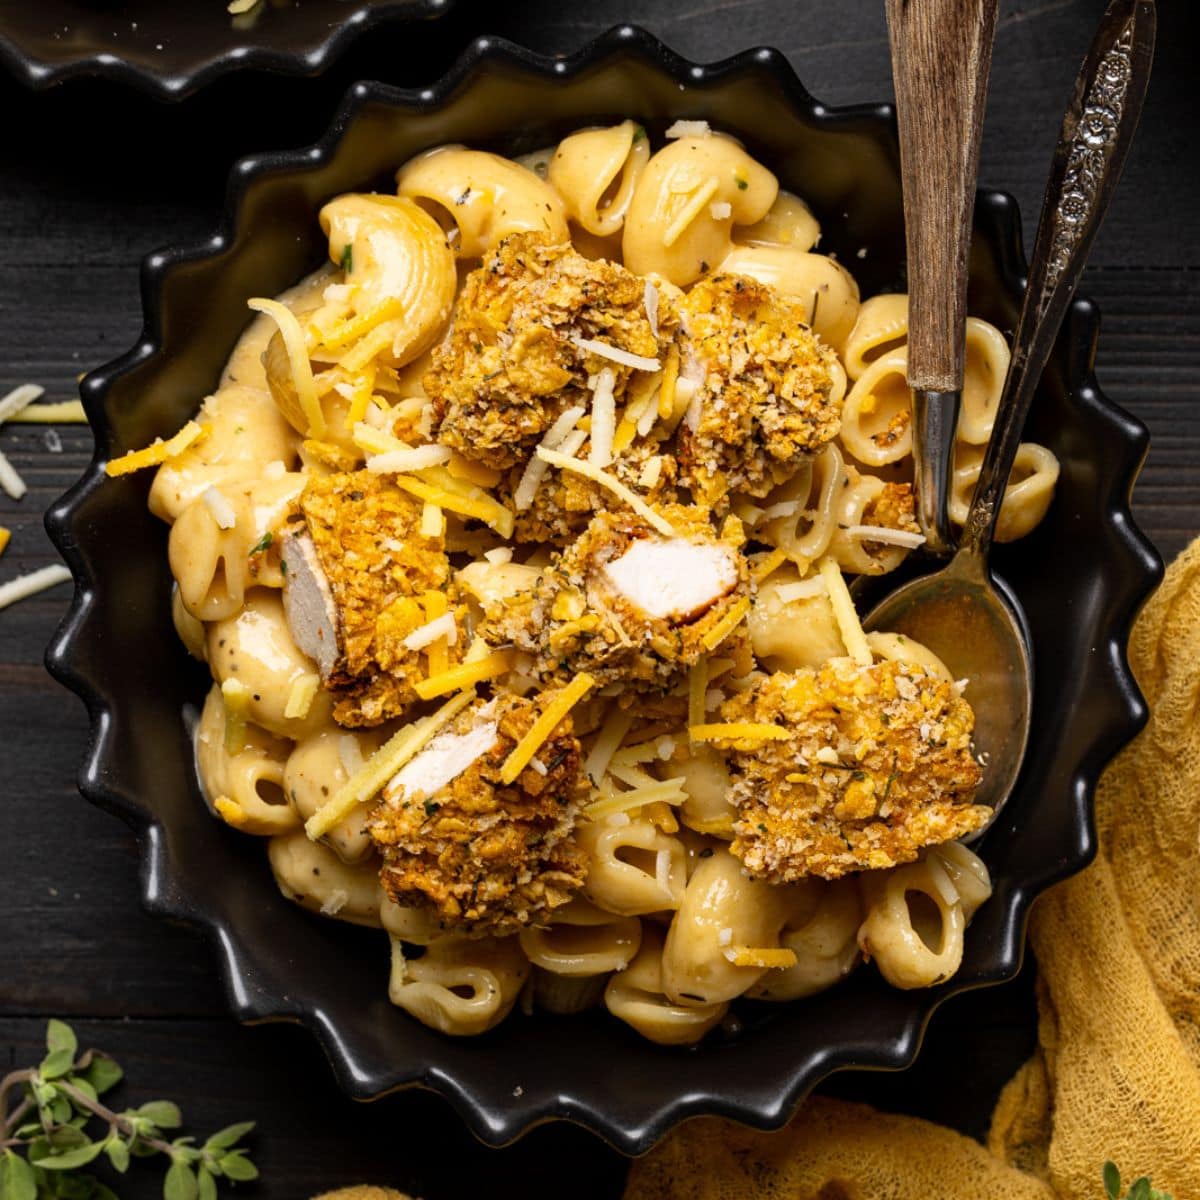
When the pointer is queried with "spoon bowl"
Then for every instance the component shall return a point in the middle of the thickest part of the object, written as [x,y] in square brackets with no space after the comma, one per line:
[976,627]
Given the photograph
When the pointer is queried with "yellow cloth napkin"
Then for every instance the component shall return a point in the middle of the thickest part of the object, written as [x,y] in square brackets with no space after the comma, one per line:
[1117,1070]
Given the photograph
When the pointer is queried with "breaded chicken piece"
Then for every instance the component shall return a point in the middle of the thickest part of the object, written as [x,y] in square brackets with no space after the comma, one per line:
[357,567]
[486,857]
[877,765]
[566,502]
[625,603]
[764,386]
[511,364]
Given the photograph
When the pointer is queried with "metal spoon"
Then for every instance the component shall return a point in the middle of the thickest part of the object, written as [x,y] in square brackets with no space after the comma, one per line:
[941,55]
[966,615]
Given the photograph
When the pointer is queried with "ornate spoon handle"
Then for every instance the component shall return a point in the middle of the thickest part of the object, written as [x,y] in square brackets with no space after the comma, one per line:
[1093,144]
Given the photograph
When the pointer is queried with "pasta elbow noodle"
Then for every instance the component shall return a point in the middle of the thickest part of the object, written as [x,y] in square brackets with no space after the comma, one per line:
[794,634]
[1027,498]
[877,414]
[789,223]
[582,940]
[483,196]
[245,784]
[633,867]
[671,229]
[312,876]
[254,651]
[459,985]
[596,171]
[637,997]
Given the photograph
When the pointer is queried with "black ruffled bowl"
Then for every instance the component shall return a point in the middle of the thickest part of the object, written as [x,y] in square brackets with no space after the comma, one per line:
[1081,576]
[170,48]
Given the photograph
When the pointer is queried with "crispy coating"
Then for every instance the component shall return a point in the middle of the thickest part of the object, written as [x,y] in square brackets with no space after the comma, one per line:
[893,508]
[574,620]
[484,856]
[378,564]
[566,502]
[510,365]
[877,765]
[764,401]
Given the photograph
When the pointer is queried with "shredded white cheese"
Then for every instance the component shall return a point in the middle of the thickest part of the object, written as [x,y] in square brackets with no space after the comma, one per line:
[662,870]
[10,481]
[427,634]
[433,521]
[786,508]
[655,519]
[419,458]
[339,897]
[19,398]
[721,210]
[604,420]
[222,511]
[612,734]
[886,535]
[275,469]
[849,626]
[25,586]
[725,937]
[650,301]
[499,555]
[651,472]
[682,129]
[639,362]
[536,469]
[806,589]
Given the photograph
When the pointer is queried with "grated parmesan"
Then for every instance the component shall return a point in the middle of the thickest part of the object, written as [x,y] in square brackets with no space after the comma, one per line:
[425,635]
[612,734]
[849,626]
[682,129]
[604,420]
[433,521]
[18,399]
[10,481]
[301,696]
[639,362]
[721,210]
[416,459]
[651,472]
[222,511]
[662,871]
[650,302]
[275,469]
[297,352]
[887,535]
[25,586]
[535,470]
[806,589]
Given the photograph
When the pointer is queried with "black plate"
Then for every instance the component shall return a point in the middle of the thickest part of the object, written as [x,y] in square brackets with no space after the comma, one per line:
[172,47]
[1082,576]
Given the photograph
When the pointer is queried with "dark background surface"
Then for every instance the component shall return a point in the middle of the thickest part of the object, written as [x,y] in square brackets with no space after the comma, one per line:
[94,176]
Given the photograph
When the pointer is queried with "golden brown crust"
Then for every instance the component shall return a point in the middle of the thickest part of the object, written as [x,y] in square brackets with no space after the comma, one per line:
[485,856]
[573,620]
[510,365]
[764,400]
[378,564]
[877,765]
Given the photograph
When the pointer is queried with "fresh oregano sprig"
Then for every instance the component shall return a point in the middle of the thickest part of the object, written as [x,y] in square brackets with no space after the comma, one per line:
[58,1125]
[1139,1189]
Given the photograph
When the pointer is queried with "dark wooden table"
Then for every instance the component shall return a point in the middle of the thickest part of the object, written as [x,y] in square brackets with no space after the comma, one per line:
[93,176]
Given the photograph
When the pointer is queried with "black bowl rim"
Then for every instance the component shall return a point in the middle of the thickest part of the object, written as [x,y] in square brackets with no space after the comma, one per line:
[311,59]
[1142,571]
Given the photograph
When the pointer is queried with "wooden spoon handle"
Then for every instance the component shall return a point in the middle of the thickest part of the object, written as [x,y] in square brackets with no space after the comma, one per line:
[941,55]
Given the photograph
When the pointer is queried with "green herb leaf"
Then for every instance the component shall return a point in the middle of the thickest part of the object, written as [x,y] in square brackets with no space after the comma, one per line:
[101,1191]
[263,543]
[224,1138]
[1140,1188]
[639,134]
[347,261]
[67,1137]
[1112,1180]
[180,1183]
[70,1160]
[82,1084]
[207,1185]
[118,1154]
[61,1110]
[57,1064]
[163,1113]
[238,1168]
[60,1036]
[17,1180]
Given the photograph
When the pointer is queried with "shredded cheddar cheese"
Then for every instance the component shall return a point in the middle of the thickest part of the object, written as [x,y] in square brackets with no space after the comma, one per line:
[157,452]
[230,811]
[490,512]
[466,675]
[5,537]
[358,326]
[738,731]
[726,625]
[477,473]
[433,521]
[381,766]
[666,393]
[767,566]
[297,352]
[772,958]
[669,791]
[545,725]
[436,608]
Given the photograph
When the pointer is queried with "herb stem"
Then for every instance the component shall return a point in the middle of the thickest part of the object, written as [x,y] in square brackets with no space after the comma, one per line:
[11,1080]
[114,1119]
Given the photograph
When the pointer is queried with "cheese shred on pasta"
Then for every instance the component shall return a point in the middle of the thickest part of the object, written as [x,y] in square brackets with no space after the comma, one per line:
[490,512]
[301,696]
[381,766]
[738,731]
[769,565]
[618,489]
[466,675]
[545,725]
[157,452]
[297,352]
[230,811]
[849,626]
[773,958]
[726,625]
[612,734]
